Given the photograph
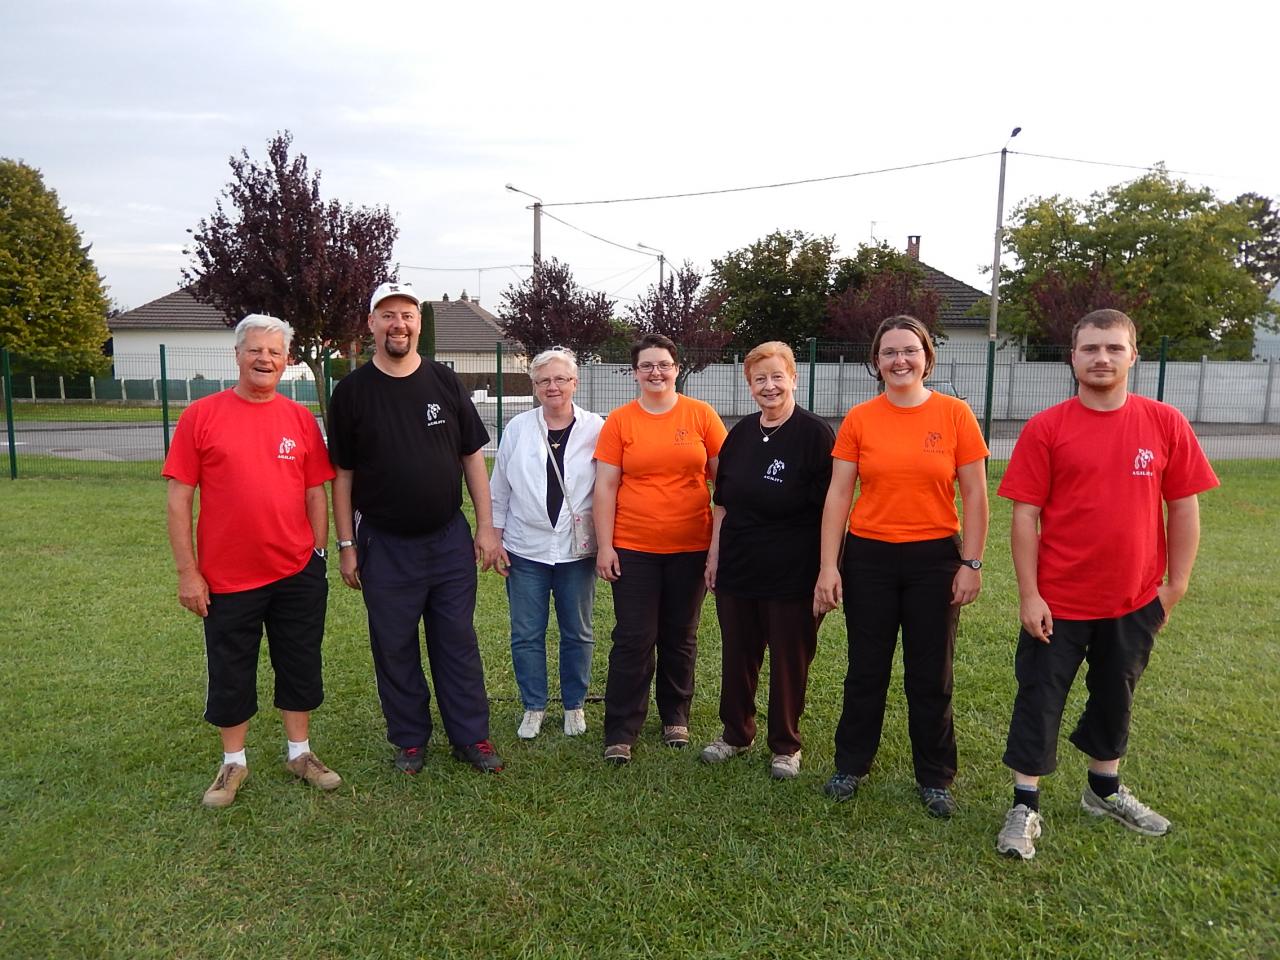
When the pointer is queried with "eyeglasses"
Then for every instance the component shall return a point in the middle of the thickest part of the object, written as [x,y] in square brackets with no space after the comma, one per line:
[909,353]
[543,382]
[666,366]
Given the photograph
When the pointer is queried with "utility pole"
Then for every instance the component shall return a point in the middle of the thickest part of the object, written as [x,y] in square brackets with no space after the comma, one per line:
[995,293]
[537,224]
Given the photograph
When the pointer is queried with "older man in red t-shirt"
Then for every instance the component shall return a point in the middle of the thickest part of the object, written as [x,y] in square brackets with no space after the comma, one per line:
[261,465]
[1099,569]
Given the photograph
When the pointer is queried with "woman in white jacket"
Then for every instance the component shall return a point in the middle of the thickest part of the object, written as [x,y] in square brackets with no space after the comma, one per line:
[543,481]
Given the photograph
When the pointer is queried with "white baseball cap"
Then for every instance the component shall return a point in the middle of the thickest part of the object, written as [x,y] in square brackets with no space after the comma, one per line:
[393,288]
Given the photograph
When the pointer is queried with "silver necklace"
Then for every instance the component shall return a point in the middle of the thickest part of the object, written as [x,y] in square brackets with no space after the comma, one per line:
[766,434]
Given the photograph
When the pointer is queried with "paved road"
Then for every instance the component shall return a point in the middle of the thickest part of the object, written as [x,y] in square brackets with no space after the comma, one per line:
[144,441]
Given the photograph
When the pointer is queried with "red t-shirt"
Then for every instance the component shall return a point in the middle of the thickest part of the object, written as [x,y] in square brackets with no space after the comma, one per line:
[664,505]
[907,459]
[1099,478]
[253,463]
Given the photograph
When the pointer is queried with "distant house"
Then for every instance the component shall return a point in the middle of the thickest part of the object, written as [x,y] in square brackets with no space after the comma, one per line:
[199,341]
[958,299]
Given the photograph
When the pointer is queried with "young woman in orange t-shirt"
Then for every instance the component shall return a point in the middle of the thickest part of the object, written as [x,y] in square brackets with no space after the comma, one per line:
[908,562]
[653,527]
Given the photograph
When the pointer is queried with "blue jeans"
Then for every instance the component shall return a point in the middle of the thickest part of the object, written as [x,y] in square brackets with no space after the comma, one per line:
[530,587]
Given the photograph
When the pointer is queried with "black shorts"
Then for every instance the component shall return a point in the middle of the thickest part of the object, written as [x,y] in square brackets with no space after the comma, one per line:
[1117,651]
[292,610]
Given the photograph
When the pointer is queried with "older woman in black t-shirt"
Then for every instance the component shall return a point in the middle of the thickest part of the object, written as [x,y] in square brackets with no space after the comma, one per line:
[763,563]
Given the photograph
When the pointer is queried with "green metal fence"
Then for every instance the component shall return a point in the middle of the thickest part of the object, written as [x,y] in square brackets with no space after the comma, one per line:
[81,426]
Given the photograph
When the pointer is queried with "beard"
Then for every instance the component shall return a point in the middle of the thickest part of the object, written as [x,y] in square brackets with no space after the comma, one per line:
[395,350]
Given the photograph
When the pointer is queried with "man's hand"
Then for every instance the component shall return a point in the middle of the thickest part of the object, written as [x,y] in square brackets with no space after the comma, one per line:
[347,567]
[607,565]
[488,546]
[1036,618]
[1169,596]
[193,592]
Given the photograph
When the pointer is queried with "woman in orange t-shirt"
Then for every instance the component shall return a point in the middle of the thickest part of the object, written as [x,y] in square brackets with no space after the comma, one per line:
[908,562]
[652,512]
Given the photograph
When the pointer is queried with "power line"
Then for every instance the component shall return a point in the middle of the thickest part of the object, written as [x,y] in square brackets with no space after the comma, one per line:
[766,186]
[1107,163]
[612,243]
[501,266]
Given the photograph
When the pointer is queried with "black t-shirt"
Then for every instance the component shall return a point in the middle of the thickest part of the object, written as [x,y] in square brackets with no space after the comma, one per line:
[773,495]
[403,437]
[558,440]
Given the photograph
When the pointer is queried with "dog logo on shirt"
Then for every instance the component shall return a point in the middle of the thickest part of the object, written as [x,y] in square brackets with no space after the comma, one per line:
[682,436]
[933,442]
[433,415]
[775,468]
[285,450]
[1142,463]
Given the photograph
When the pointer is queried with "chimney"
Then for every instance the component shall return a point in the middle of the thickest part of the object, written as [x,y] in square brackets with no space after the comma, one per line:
[464,298]
[444,298]
[913,246]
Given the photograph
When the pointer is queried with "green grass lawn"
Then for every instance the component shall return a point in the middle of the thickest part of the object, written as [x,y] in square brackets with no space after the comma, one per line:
[106,851]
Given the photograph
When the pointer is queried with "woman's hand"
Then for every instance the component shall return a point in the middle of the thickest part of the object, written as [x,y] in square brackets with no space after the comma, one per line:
[709,574]
[966,586]
[828,593]
[607,565]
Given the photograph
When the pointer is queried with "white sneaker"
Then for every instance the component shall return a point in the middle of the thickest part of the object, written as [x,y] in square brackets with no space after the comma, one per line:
[717,751]
[1124,807]
[1021,830]
[575,722]
[531,724]
[785,766]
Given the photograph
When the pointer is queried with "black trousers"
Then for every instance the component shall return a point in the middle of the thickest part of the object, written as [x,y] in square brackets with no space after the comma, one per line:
[790,632]
[888,586]
[292,610]
[657,603]
[1117,651]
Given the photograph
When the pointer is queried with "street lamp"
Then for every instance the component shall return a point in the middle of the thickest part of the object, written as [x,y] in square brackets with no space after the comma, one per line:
[537,224]
[662,259]
[995,289]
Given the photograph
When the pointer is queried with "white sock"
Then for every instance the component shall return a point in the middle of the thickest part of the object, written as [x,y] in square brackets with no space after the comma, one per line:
[298,748]
[237,757]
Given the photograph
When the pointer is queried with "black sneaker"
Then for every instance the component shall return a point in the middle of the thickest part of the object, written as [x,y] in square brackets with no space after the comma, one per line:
[410,759]
[480,755]
[841,786]
[939,802]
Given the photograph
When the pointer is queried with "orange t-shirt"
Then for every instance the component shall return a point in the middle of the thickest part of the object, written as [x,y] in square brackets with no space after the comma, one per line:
[664,505]
[907,459]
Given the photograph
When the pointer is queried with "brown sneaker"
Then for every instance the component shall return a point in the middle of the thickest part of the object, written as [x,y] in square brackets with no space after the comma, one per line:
[223,789]
[309,768]
[675,736]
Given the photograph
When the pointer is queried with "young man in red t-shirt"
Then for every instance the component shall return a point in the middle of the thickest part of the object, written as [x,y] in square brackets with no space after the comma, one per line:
[1091,480]
[261,466]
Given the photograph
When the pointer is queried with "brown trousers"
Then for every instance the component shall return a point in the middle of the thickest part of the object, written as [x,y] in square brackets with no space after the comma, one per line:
[747,626]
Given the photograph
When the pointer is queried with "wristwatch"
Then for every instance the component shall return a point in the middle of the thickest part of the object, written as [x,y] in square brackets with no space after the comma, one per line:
[343,544]
[972,564]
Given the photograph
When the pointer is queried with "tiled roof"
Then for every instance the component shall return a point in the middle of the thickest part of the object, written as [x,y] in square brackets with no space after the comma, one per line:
[462,326]
[176,311]
[957,298]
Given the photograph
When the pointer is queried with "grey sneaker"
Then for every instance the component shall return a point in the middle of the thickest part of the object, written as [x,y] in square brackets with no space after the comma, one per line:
[841,786]
[1021,830]
[717,751]
[785,766]
[1124,807]
[222,792]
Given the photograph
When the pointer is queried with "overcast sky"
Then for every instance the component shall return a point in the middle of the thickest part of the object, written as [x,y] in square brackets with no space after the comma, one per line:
[132,108]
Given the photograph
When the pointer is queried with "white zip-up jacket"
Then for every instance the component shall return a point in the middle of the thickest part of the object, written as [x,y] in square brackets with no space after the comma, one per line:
[519,485]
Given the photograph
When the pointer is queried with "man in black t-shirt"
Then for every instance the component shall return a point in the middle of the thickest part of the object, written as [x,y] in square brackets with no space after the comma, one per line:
[402,435]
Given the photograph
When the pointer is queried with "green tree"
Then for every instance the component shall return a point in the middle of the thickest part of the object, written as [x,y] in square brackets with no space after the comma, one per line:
[878,282]
[1261,255]
[53,307]
[1170,249]
[776,288]
[285,252]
